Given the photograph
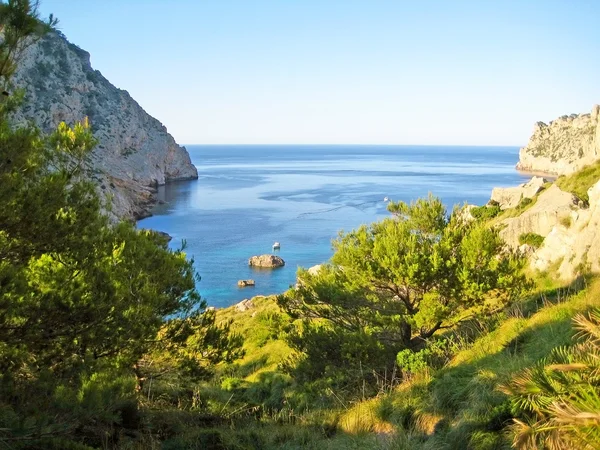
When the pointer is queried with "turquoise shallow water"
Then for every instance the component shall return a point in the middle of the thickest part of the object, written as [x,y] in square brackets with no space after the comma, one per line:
[248,197]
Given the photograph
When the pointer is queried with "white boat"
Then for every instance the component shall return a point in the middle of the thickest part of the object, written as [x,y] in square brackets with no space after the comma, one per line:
[276,246]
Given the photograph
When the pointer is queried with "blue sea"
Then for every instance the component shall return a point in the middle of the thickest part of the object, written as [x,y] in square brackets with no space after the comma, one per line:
[248,197]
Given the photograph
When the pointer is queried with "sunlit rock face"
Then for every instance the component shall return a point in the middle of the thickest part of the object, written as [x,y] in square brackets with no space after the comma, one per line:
[563,146]
[574,243]
[135,153]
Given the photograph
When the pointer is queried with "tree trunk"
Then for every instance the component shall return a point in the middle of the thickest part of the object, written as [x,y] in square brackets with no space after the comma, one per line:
[405,333]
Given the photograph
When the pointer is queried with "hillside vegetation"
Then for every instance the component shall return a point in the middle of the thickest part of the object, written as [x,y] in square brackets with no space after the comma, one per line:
[423,332]
[581,181]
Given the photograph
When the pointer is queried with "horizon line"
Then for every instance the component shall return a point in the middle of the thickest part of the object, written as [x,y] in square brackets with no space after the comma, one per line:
[350,145]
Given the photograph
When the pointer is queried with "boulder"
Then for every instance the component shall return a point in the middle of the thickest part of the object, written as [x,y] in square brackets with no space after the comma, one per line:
[245,283]
[511,196]
[244,305]
[266,261]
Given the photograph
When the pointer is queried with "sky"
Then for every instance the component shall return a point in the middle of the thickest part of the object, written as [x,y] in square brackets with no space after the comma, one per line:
[478,72]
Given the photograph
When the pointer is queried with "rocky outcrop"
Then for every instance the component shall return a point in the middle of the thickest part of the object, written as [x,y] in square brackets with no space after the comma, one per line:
[266,261]
[551,207]
[245,283]
[564,145]
[135,153]
[314,270]
[244,305]
[573,243]
[512,196]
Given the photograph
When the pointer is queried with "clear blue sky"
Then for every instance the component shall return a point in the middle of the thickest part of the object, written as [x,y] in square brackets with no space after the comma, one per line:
[344,71]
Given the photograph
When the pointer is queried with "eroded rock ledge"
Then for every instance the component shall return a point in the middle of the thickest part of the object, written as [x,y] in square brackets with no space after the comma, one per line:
[135,153]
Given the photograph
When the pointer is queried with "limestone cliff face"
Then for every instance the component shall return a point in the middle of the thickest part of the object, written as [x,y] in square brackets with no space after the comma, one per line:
[135,153]
[573,243]
[563,146]
[552,206]
[571,231]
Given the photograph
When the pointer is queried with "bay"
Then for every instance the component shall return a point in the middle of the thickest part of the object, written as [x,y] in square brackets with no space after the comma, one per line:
[249,196]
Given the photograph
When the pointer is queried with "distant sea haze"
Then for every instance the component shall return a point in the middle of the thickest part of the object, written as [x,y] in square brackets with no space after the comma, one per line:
[248,197]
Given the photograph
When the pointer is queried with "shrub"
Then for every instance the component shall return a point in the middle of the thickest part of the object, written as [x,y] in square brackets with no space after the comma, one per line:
[579,182]
[486,212]
[526,201]
[412,362]
[558,399]
[231,383]
[434,355]
[533,239]
[566,221]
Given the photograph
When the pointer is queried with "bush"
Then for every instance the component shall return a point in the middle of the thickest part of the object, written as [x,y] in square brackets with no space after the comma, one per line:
[558,399]
[486,212]
[579,182]
[231,383]
[533,239]
[526,201]
[566,221]
[434,355]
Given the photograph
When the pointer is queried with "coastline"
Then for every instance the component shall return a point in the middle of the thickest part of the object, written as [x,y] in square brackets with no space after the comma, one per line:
[537,173]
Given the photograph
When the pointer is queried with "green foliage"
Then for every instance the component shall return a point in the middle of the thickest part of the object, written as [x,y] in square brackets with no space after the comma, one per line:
[558,399]
[566,221]
[394,283]
[581,181]
[485,212]
[83,302]
[433,356]
[322,350]
[533,239]
[21,27]
[525,201]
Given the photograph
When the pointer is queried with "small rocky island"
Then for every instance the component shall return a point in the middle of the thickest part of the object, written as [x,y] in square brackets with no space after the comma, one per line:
[245,283]
[266,261]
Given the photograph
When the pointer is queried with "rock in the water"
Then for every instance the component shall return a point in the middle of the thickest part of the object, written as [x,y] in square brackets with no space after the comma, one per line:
[245,283]
[266,261]
[135,153]
[511,196]
[564,146]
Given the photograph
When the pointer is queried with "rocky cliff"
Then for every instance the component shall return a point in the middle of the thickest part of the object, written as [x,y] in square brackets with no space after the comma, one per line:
[574,243]
[135,153]
[570,229]
[564,145]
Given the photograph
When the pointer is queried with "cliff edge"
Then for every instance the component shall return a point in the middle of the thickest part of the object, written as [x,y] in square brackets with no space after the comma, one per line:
[135,152]
[564,146]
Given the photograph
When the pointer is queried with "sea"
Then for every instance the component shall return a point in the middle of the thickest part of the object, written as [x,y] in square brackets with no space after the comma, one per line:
[249,196]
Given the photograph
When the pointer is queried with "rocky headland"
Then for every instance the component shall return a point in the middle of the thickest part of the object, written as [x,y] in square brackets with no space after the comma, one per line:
[563,146]
[135,153]
[564,216]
